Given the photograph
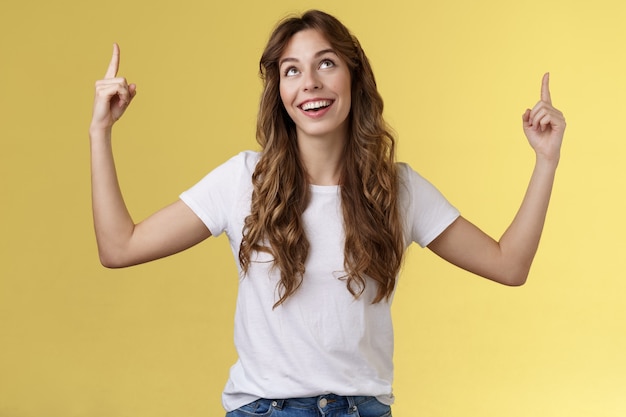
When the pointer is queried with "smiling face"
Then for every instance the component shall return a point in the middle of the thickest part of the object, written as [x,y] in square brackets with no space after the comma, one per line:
[315,86]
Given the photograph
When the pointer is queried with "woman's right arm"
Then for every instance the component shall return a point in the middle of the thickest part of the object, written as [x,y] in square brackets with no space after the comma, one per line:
[121,242]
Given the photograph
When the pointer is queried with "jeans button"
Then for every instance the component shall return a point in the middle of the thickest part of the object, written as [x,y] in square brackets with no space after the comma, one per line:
[323,403]
[274,403]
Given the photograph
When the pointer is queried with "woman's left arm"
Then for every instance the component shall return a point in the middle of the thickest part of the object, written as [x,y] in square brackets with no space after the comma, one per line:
[508,261]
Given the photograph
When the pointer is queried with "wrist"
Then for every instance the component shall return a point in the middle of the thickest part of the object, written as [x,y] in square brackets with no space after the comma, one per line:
[545,163]
[99,132]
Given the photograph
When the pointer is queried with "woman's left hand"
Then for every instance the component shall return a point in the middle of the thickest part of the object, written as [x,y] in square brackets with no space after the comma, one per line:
[544,126]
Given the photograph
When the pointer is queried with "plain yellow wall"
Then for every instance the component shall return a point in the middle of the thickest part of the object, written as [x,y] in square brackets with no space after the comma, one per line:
[156,340]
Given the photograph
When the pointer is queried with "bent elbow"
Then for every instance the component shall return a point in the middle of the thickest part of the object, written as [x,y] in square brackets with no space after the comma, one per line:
[111,260]
[514,279]
[516,282]
[110,263]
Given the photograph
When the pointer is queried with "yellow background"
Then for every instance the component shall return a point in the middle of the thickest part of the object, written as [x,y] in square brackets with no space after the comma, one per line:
[156,340]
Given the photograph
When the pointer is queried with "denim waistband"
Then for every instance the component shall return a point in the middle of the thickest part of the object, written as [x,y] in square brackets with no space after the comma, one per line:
[325,402]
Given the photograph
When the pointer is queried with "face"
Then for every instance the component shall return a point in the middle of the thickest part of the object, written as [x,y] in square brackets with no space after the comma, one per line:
[315,86]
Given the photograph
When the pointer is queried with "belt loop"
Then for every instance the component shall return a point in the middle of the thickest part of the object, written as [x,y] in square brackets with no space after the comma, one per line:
[351,405]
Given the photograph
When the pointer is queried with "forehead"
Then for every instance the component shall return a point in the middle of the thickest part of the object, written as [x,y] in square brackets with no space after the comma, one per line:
[305,44]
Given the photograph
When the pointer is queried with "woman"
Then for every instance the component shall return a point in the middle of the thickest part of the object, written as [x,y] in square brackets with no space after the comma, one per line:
[319,221]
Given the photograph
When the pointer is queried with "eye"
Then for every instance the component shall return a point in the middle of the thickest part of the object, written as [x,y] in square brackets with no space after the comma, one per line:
[291,71]
[327,63]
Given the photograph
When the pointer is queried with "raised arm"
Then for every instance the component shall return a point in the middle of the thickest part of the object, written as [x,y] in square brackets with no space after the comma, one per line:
[508,260]
[121,242]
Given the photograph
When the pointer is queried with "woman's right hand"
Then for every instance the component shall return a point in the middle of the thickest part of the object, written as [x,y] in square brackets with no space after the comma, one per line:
[113,96]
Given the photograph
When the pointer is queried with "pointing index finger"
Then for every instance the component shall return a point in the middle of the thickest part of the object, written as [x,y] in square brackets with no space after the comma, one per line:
[114,64]
[545,88]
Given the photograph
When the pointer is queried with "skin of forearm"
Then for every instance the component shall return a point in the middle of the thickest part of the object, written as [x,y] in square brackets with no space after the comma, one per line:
[520,241]
[112,221]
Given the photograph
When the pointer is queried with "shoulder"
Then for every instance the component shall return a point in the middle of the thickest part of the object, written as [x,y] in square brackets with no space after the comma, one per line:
[425,210]
[239,166]
[409,178]
[233,173]
[246,160]
[414,189]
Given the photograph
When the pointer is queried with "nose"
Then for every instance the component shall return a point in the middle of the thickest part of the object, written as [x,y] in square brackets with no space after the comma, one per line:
[311,81]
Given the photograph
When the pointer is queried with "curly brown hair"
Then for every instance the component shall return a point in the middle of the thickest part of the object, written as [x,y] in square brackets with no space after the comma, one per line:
[374,244]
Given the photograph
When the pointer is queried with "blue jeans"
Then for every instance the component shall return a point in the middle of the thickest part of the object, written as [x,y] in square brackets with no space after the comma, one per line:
[329,405]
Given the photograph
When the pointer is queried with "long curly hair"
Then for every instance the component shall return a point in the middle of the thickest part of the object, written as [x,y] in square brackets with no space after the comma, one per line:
[374,244]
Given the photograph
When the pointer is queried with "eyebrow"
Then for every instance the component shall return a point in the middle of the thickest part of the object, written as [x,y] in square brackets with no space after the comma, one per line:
[317,55]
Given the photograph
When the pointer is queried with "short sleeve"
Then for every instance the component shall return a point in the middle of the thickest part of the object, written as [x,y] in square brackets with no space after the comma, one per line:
[218,195]
[425,211]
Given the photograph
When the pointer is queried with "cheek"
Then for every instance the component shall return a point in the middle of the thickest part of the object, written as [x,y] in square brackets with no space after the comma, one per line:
[344,86]
[286,99]
[286,93]
[345,91]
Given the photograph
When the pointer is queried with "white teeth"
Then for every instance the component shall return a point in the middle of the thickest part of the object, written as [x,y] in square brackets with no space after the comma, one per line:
[315,105]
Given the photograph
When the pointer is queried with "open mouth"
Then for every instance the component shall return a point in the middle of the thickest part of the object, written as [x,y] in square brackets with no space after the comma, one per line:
[312,106]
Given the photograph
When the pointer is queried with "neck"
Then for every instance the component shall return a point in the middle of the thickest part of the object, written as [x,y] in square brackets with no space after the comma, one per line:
[322,157]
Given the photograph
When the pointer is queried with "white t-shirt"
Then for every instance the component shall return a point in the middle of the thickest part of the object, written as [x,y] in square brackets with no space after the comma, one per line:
[321,339]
